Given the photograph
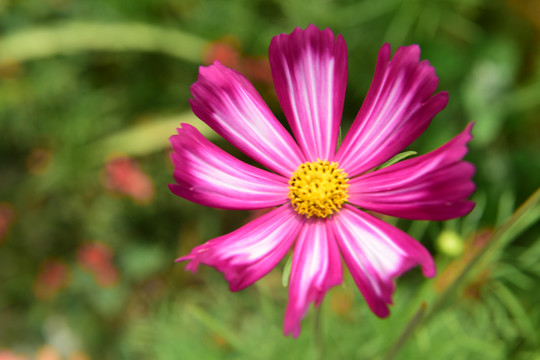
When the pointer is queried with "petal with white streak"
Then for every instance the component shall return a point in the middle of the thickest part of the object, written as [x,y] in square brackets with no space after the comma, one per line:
[228,103]
[207,175]
[309,68]
[434,186]
[250,252]
[398,107]
[316,267]
[376,253]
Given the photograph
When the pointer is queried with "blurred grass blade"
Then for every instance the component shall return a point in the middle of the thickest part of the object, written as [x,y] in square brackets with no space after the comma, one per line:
[72,37]
[147,137]
[516,308]
[409,328]
[212,324]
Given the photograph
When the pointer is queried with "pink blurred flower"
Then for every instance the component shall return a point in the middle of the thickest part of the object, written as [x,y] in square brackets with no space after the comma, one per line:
[124,176]
[53,276]
[97,259]
[317,190]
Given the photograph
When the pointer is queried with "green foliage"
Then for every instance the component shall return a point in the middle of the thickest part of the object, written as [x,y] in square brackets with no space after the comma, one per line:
[93,89]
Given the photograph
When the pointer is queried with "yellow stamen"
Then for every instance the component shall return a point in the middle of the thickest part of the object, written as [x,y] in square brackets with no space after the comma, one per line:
[318,188]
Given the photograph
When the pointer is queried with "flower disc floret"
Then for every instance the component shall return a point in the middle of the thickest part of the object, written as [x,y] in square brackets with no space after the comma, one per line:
[318,188]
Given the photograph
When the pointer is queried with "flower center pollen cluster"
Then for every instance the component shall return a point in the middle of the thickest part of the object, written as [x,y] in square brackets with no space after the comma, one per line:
[318,188]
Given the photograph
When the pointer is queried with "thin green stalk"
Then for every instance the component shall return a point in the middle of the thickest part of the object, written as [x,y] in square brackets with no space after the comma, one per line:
[496,241]
[215,326]
[318,333]
[409,328]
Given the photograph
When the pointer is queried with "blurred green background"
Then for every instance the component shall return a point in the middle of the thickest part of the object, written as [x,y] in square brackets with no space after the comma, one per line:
[90,91]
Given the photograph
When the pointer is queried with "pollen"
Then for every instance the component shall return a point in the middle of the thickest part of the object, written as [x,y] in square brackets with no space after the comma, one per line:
[318,188]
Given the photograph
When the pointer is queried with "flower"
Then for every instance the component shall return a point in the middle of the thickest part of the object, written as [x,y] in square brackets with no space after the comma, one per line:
[54,275]
[319,192]
[123,175]
[97,258]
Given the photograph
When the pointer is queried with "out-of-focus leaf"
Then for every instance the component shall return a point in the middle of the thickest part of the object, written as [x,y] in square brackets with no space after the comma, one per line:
[511,274]
[72,37]
[148,137]
[485,91]
[139,262]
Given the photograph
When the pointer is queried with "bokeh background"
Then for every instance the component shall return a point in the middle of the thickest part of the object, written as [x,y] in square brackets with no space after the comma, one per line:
[91,90]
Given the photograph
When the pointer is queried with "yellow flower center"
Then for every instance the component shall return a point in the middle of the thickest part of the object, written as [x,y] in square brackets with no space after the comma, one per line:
[318,188]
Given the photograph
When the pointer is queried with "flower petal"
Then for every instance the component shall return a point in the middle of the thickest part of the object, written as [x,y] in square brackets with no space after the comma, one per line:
[309,68]
[209,176]
[229,104]
[398,107]
[434,186]
[316,267]
[250,252]
[375,253]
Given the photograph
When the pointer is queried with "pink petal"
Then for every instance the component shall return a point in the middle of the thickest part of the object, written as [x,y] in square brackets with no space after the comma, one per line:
[209,176]
[434,186]
[309,68]
[316,267]
[229,104]
[250,252]
[376,253]
[398,107]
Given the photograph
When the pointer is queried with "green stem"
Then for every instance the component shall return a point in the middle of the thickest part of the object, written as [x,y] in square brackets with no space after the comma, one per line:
[318,334]
[496,241]
[409,328]
[215,326]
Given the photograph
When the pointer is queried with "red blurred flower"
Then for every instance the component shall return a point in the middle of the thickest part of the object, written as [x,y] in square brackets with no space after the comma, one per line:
[97,259]
[6,219]
[10,355]
[39,160]
[53,276]
[123,175]
[228,52]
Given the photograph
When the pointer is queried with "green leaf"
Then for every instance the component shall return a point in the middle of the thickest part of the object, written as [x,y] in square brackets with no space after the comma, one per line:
[397,158]
[287,272]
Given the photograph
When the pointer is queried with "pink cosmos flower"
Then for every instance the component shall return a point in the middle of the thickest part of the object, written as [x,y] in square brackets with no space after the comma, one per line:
[318,192]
